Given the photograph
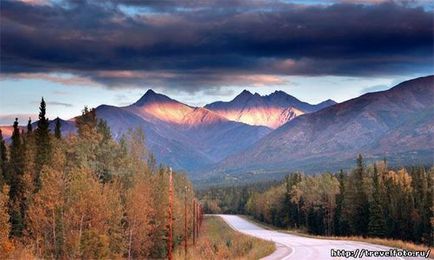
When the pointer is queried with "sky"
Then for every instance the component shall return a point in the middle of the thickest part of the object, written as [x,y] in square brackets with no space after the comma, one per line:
[89,52]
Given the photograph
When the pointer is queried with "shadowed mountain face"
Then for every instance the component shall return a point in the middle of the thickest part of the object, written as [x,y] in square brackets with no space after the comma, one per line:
[272,110]
[397,124]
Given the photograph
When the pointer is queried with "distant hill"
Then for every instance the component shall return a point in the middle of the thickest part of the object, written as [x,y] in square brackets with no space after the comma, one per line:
[67,126]
[272,110]
[397,124]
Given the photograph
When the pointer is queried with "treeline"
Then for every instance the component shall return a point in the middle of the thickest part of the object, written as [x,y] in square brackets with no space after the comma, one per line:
[369,201]
[85,195]
[230,199]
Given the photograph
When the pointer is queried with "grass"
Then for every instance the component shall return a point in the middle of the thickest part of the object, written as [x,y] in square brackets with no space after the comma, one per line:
[218,241]
[372,240]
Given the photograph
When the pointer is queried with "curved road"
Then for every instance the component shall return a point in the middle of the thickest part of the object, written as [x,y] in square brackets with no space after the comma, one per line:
[290,246]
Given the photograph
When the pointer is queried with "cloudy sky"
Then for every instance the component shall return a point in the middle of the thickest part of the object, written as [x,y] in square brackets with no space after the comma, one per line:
[89,52]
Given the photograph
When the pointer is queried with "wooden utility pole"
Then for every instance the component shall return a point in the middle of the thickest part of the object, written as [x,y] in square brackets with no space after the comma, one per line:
[194,222]
[197,220]
[185,222]
[170,238]
[201,215]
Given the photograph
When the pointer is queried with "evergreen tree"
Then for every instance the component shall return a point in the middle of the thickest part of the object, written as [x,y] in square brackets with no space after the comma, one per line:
[16,193]
[4,177]
[377,221]
[105,152]
[43,147]
[57,131]
[356,200]
[341,225]
[29,126]
[104,130]
[428,235]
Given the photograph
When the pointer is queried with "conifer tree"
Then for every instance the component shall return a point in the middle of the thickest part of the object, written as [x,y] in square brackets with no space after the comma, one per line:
[29,126]
[428,235]
[4,177]
[43,147]
[356,200]
[105,153]
[57,129]
[16,193]
[377,221]
[341,224]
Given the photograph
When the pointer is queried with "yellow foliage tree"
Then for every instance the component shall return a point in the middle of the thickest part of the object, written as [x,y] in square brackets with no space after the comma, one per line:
[6,245]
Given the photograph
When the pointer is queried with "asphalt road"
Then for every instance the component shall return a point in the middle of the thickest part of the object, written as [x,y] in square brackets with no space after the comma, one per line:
[290,246]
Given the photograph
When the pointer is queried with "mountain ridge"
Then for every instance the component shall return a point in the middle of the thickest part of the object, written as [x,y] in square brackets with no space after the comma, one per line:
[397,124]
[268,110]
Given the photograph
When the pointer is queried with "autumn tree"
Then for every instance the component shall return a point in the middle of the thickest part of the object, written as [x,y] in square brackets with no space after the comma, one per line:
[292,210]
[92,212]
[46,215]
[139,215]
[86,123]
[319,201]
[6,245]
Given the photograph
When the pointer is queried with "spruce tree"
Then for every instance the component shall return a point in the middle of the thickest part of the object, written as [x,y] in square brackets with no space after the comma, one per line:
[356,200]
[4,177]
[57,131]
[341,224]
[377,221]
[43,147]
[428,235]
[104,130]
[29,126]
[16,192]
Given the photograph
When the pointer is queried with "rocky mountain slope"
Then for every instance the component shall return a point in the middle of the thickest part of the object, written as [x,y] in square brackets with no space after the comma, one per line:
[185,137]
[271,110]
[397,124]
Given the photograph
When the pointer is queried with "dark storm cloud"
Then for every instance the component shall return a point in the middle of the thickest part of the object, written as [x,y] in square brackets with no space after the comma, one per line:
[210,43]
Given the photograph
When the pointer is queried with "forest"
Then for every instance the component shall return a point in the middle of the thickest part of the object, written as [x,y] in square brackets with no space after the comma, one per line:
[85,195]
[369,201]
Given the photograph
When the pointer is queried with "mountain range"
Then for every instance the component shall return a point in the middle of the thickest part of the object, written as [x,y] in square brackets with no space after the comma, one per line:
[254,134]
[185,137]
[272,110]
[396,124]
